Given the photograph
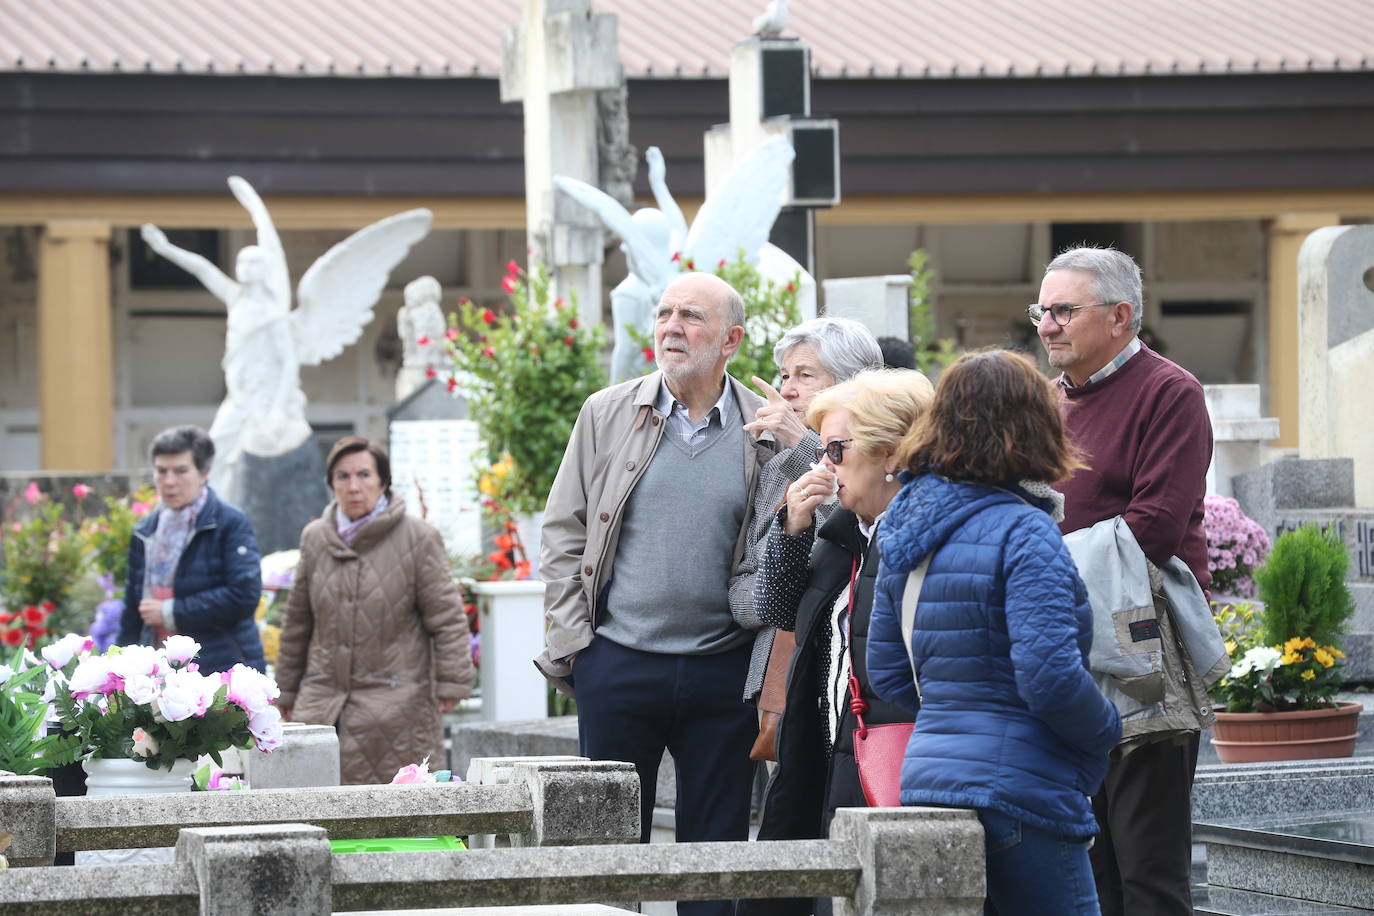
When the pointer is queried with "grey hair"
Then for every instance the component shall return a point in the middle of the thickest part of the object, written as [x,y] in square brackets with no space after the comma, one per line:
[191,439]
[1116,276]
[845,346]
[734,308]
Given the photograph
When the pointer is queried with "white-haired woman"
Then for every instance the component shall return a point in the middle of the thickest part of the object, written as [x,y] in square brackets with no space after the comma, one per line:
[811,357]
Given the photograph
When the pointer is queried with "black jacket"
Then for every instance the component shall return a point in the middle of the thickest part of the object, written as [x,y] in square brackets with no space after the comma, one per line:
[810,784]
[217,586]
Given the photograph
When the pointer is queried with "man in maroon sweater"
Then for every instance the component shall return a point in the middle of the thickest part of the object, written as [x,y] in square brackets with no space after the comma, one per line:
[1142,425]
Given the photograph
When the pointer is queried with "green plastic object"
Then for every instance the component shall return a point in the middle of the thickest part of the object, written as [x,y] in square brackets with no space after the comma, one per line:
[399,844]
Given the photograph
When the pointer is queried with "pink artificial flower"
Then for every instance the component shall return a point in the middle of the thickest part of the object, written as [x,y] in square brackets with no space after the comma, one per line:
[221,783]
[31,493]
[81,491]
[184,695]
[512,267]
[141,509]
[509,283]
[451,334]
[413,774]
[93,676]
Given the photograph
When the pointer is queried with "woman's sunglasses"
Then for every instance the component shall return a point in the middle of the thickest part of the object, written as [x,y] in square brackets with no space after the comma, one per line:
[833,450]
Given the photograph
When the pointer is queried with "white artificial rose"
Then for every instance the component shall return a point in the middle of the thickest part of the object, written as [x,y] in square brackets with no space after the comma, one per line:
[249,688]
[136,661]
[142,689]
[61,652]
[265,727]
[180,649]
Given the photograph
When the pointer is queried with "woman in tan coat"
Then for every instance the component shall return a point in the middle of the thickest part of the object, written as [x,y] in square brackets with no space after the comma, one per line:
[375,641]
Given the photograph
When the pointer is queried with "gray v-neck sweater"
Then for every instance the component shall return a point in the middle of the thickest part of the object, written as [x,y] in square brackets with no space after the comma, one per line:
[670,590]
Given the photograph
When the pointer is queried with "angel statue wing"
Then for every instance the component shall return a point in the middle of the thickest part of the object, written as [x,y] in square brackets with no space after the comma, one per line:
[337,293]
[740,214]
[644,237]
[269,243]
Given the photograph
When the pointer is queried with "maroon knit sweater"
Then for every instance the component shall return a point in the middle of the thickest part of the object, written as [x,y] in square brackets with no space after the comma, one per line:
[1147,439]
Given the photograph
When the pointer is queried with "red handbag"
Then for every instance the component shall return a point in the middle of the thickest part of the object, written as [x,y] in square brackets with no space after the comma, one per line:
[879,750]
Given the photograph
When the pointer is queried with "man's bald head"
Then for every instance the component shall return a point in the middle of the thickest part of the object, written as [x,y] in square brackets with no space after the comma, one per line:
[704,287]
[698,327]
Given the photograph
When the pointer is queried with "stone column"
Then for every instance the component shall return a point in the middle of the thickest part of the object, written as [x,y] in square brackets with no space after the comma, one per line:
[281,870]
[308,756]
[1239,433]
[1286,234]
[512,615]
[915,860]
[28,811]
[75,347]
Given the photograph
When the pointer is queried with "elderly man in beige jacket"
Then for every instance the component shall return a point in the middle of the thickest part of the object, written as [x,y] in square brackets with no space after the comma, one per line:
[643,534]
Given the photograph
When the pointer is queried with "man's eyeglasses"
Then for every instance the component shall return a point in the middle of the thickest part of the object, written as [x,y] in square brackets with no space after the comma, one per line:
[833,450]
[1061,313]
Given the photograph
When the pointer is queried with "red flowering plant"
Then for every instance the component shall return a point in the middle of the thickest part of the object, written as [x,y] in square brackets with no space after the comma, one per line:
[770,309]
[525,369]
[44,556]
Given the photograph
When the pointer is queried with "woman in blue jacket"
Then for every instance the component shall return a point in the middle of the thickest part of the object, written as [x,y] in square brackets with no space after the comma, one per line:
[1010,722]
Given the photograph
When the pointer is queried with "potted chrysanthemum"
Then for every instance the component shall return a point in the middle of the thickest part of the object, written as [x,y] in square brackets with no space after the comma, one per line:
[1279,694]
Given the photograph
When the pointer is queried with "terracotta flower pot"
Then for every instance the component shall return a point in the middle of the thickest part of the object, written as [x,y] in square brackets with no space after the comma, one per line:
[1247,737]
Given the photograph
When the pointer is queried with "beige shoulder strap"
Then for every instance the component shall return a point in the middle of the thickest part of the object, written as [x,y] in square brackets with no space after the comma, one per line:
[910,596]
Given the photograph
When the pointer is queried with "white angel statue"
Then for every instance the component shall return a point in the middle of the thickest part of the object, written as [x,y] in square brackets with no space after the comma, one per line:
[263,412]
[738,217]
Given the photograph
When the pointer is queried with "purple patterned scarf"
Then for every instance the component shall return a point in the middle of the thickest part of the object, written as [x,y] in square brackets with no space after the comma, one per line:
[348,530]
[174,530]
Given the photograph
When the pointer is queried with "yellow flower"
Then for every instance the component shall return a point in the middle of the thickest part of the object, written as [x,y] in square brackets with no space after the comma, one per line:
[1230,647]
[1324,657]
[1309,674]
[1309,643]
[1293,644]
[1290,658]
[1336,652]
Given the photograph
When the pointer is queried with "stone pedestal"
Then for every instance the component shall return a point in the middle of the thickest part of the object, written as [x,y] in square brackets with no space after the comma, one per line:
[307,756]
[512,615]
[281,495]
[881,304]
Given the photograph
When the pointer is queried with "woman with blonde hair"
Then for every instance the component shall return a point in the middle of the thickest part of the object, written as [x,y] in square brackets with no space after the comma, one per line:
[818,580]
[1010,724]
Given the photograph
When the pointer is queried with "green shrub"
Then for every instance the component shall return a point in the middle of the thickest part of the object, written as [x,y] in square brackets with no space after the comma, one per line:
[1303,587]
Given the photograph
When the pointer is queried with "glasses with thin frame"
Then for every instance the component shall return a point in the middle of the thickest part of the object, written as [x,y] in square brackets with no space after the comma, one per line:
[833,450]
[1061,313]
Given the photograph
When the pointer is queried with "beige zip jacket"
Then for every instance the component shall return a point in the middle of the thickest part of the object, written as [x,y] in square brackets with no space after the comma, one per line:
[616,435]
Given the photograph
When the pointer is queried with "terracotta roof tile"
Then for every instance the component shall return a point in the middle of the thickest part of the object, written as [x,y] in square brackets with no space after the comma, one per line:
[670,39]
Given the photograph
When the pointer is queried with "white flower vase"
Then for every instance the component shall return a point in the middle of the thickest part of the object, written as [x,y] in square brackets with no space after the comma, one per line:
[133,777]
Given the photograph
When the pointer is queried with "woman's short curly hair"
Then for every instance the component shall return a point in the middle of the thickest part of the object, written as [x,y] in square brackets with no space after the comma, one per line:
[882,405]
[995,419]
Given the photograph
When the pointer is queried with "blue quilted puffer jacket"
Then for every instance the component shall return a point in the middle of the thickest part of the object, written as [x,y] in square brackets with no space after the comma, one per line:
[217,585]
[1009,718]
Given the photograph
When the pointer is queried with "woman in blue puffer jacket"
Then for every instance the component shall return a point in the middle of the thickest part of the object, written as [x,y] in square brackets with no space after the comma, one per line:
[1010,722]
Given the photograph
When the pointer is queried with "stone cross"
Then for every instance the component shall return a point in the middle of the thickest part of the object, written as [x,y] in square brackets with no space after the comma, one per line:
[770,95]
[1336,349]
[555,63]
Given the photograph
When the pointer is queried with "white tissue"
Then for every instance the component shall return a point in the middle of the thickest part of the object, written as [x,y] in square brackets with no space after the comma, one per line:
[834,484]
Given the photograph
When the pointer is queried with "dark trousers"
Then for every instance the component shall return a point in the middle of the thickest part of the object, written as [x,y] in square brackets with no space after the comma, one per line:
[1142,859]
[631,705]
